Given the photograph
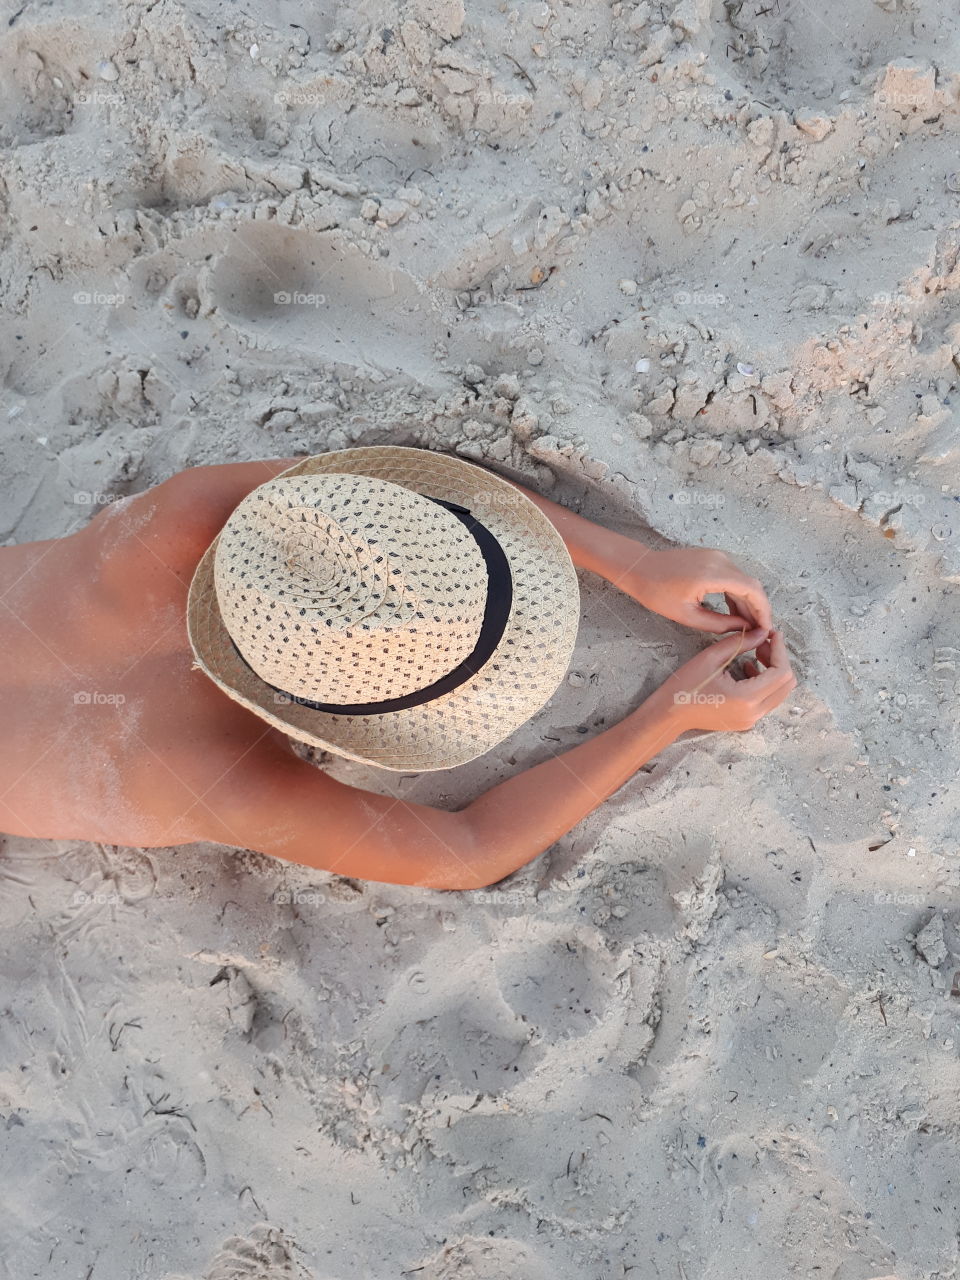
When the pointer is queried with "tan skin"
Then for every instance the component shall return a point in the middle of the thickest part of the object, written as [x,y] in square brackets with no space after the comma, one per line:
[101,611]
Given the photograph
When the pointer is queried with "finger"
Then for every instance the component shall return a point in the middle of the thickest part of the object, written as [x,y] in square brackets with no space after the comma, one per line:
[779,659]
[729,647]
[764,650]
[731,605]
[768,680]
[753,605]
[777,697]
[699,615]
[749,596]
[777,674]
[740,609]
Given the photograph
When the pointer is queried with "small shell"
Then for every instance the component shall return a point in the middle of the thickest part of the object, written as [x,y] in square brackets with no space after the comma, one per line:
[106,70]
[642,366]
[254,51]
[745,369]
[941,532]
[953,181]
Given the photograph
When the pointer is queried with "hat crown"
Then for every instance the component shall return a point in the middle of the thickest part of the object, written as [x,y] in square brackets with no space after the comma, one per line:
[525,669]
[344,588]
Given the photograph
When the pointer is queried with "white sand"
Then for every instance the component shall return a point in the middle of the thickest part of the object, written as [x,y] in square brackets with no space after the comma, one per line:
[692,269]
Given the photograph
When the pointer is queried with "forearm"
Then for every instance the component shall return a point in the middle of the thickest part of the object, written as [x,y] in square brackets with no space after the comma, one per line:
[518,819]
[591,546]
[295,814]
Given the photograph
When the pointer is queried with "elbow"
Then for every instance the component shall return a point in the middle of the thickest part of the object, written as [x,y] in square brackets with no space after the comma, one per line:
[453,860]
[471,861]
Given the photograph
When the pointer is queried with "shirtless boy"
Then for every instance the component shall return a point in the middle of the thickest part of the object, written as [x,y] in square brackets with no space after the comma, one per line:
[113,733]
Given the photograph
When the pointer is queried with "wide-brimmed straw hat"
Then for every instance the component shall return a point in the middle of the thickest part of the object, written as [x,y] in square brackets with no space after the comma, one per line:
[403,608]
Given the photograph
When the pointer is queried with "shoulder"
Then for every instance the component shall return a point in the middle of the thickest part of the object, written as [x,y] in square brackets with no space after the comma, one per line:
[176,520]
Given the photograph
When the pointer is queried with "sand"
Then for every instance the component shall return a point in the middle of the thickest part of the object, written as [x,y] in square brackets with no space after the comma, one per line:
[693,270]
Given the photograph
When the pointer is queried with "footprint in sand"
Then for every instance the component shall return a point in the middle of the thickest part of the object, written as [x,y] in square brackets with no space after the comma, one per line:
[317,293]
[560,986]
[474,1258]
[462,1036]
[266,1254]
[163,1149]
[36,91]
[779,52]
[131,870]
[171,1157]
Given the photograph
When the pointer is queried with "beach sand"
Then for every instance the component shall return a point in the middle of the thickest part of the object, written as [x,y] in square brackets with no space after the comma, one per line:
[691,269]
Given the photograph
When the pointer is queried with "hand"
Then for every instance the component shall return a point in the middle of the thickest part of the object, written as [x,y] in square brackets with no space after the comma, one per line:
[705,694]
[673,584]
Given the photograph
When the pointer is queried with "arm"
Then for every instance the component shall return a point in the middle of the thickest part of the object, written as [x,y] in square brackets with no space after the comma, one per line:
[523,816]
[672,582]
[280,805]
[352,832]
[289,811]
[198,766]
[602,551]
[292,812]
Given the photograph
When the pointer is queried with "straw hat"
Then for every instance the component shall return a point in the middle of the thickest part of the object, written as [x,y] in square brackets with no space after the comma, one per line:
[402,608]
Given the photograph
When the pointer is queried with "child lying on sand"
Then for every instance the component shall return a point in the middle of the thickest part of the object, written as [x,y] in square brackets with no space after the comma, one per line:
[395,605]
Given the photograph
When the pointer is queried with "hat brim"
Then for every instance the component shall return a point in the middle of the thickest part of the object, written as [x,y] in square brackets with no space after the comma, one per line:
[522,673]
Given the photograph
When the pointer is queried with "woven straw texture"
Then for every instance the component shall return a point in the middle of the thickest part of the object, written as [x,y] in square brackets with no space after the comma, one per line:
[370,592]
